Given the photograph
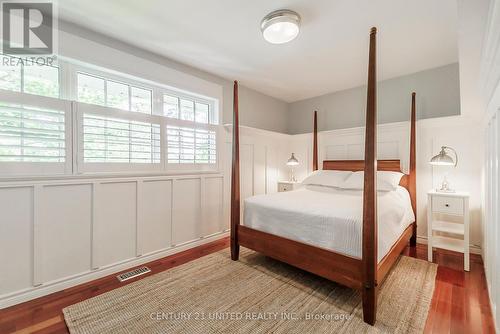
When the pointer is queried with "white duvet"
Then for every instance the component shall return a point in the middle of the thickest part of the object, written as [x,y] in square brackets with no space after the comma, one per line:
[330,218]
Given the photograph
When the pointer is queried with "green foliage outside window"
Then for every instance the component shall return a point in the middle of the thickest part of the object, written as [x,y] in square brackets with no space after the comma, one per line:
[29,78]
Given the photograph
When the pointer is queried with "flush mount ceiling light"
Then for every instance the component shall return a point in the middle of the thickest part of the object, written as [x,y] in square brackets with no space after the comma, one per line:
[280,26]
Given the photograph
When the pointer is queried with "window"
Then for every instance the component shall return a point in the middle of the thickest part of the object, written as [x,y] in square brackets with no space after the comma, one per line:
[201,115]
[114,140]
[41,80]
[31,135]
[29,77]
[190,110]
[10,75]
[117,95]
[91,89]
[187,110]
[104,92]
[106,124]
[171,106]
[140,100]
[193,142]
[188,145]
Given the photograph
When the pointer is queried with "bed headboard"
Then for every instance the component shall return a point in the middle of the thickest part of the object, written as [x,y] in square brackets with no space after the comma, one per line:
[359,165]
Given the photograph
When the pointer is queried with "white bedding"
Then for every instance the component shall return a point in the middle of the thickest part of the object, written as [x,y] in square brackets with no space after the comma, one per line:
[330,218]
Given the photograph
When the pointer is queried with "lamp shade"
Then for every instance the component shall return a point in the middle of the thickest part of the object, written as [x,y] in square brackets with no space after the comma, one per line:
[443,158]
[292,161]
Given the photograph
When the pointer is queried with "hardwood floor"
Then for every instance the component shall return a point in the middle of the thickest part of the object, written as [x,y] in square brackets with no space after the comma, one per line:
[459,305]
[44,315]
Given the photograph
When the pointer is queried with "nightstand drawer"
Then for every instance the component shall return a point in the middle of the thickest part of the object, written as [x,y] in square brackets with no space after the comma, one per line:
[448,205]
[284,187]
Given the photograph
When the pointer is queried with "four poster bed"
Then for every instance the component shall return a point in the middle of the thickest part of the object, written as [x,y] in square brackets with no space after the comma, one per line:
[362,268]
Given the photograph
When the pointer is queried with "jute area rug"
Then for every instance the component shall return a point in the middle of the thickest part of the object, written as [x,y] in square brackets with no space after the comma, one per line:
[254,295]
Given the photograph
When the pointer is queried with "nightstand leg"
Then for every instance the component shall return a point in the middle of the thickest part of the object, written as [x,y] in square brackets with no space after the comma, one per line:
[466,235]
[429,250]
[466,258]
[429,229]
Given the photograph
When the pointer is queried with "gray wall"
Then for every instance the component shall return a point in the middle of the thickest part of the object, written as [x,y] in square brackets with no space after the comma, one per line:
[438,95]
[257,110]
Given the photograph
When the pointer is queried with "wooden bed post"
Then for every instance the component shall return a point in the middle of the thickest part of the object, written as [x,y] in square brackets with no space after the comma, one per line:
[315,141]
[369,255]
[235,179]
[412,184]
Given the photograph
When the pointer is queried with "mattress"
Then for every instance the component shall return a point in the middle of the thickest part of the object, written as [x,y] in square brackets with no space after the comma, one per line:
[329,218]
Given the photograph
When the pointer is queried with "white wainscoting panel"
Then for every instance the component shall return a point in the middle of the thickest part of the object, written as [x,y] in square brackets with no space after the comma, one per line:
[63,239]
[186,224]
[114,230]
[491,213]
[388,150]
[393,143]
[16,233]
[247,169]
[336,152]
[272,169]
[490,83]
[355,152]
[154,225]
[259,169]
[213,210]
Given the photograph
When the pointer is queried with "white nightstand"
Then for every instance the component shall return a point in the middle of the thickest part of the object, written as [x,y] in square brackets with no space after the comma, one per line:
[287,186]
[448,204]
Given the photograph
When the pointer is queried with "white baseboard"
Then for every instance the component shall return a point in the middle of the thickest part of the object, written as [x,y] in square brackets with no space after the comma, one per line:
[474,249]
[51,287]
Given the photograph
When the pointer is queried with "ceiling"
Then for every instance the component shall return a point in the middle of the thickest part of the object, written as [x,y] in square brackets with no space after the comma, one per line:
[223,37]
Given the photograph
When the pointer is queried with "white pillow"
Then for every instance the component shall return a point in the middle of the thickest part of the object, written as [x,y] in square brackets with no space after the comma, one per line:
[386,181]
[327,178]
